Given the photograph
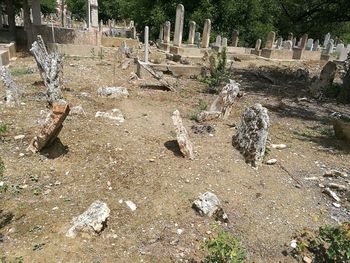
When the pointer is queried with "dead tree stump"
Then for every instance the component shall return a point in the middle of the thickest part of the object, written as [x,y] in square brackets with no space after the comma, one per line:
[50,67]
[12,94]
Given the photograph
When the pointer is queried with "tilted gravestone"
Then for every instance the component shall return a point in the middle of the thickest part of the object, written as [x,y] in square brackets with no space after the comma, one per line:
[251,135]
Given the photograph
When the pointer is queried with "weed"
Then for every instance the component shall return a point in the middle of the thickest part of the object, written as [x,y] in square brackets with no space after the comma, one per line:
[16,260]
[224,248]
[328,244]
[2,168]
[3,127]
[20,71]
[201,106]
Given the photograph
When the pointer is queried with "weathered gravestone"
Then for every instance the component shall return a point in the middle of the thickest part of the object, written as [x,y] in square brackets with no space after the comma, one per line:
[183,140]
[325,81]
[206,33]
[251,135]
[12,94]
[192,32]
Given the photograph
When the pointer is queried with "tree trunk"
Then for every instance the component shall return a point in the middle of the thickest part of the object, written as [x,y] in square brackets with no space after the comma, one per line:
[27,23]
[10,10]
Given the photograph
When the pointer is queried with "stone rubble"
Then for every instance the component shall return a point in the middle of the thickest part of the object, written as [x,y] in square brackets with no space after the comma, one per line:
[114,114]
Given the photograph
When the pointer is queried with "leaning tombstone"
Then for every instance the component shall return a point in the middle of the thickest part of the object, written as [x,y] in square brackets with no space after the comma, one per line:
[183,140]
[325,81]
[12,94]
[251,135]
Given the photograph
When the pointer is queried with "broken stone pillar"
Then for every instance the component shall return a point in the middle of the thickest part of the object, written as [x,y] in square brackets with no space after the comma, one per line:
[183,140]
[192,32]
[320,86]
[251,135]
[197,39]
[166,38]
[51,128]
[235,36]
[270,40]
[290,36]
[161,34]
[303,41]
[12,94]
[146,44]
[258,44]
[94,13]
[179,24]
[36,12]
[206,33]
[50,67]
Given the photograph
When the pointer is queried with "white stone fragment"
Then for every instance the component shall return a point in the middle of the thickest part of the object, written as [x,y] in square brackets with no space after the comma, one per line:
[182,136]
[209,205]
[113,92]
[114,114]
[271,161]
[131,205]
[278,146]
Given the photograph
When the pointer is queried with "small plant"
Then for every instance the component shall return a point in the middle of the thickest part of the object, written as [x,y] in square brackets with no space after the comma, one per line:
[20,71]
[224,248]
[3,127]
[2,168]
[201,106]
[15,260]
[329,244]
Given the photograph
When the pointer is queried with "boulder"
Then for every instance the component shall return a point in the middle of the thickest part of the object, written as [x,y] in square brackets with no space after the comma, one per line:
[208,204]
[251,135]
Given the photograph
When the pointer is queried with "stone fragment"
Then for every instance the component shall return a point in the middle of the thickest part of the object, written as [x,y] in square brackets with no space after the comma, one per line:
[319,87]
[182,136]
[93,219]
[113,92]
[114,114]
[331,194]
[271,161]
[208,204]
[278,146]
[51,127]
[19,137]
[335,173]
[77,110]
[208,115]
[12,93]
[131,205]
[202,128]
[251,135]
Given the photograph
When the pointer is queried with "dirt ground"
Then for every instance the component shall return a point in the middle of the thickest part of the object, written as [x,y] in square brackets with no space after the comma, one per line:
[138,160]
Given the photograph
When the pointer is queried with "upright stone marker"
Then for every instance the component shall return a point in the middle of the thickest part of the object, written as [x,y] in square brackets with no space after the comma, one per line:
[258,44]
[329,48]
[161,34]
[235,37]
[270,40]
[310,44]
[206,33]
[303,41]
[224,42]
[339,48]
[94,13]
[294,41]
[288,45]
[192,32]
[326,40]
[197,39]
[166,38]
[146,43]
[218,41]
[290,36]
[179,24]
[316,45]
[279,42]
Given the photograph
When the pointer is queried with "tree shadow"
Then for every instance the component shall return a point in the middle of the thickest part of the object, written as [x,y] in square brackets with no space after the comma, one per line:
[5,218]
[174,147]
[55,149]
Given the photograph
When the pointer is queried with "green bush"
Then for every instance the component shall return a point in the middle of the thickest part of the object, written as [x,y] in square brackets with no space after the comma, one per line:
[329,244]
[224,248]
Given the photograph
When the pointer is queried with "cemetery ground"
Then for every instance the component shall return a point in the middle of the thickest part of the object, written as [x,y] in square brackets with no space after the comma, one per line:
[139,160]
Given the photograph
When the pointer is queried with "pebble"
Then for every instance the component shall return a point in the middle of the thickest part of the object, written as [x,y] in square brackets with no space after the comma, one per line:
[21,154]
[293,243]
[278,146]
[19,137]
[179,231]
[131,205]
[336,205]
[271,161]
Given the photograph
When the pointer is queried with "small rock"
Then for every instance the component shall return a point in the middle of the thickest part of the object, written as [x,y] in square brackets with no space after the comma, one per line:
[331,194]
[278,146]
[131,205]
[202,128]
[271,161]
[179,231]
[336,205]
[307,259]
[114,114]
[208,204]
[77,110]
[21,154]
[335,173]
[19,137]
[113,92]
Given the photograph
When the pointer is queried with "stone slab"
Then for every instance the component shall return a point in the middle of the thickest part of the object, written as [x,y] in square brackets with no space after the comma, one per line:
[11,47]
[4,57]
[179,70]
[277,54]
[188,51]
[238,50]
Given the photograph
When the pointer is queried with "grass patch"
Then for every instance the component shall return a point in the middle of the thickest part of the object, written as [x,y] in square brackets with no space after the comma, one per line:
[3,127]
[201,106]
[20,71]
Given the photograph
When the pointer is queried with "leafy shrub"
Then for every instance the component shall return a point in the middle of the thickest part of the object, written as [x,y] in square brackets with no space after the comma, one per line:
[224,248]
[329,244]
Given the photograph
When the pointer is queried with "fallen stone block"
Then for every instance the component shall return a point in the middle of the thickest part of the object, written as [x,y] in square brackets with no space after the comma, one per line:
[114,114]
[93,219]
[182,136]
[251,135]
[51,127]
[113,92]
[208,204]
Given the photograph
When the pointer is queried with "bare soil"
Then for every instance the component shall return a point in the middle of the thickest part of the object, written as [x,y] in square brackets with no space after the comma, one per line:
[139,160]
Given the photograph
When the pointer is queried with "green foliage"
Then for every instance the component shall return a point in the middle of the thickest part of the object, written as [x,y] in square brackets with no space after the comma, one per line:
[48,6]
[20,71]
[3,127]
[15,260]
[201,106]
[223,249]
[329,244]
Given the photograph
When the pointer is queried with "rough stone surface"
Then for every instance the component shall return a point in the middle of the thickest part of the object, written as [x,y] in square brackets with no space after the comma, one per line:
[208,204]
[182,136]
[51,127]
[202,128]
[12,94]
[251,135]
[208,115]
[115,115]
[93,219]
[113,92]
[325,81]
[77,110]
[341,126]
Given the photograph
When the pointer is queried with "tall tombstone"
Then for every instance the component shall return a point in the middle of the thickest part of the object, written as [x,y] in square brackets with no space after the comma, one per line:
[235,37]
[288,45]
[146,44]
[192,32]
[206,33]
[218,41]
[166,32]
[339,48]
[133,32]
[161,34]
[279,42]
[290,36]
[326,40]
[179,24]
[270,40]
[343,54]
[36,12]
[330,47]
[131,24]
[310,44]
[197,39]
[224,42]
[94,13]
[294,41]
[258,44]
[303,41]
[316,45]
